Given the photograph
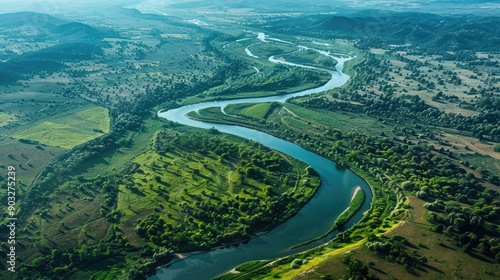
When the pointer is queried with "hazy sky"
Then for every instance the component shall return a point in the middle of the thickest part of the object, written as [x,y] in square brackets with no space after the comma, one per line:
[61,6]
[55,6]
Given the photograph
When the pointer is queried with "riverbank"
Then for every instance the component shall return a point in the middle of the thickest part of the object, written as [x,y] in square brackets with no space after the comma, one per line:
[357,200]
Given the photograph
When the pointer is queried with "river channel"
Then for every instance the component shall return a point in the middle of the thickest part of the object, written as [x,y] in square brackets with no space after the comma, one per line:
[313,220]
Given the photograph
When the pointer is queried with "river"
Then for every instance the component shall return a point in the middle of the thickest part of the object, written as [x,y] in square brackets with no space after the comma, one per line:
[313,220]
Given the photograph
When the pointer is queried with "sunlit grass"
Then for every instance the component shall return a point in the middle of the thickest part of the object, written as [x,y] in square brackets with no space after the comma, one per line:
[70,130]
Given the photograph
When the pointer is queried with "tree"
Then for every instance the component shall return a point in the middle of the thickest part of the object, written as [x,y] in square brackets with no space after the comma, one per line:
[459,224]
[421,194]
[496,148]
[56,254]
[39,262]
[407,185]
[494,179]
[213,130]
[467,248]
[439,228]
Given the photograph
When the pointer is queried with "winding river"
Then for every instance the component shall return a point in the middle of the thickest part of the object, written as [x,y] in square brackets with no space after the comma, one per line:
[313,220]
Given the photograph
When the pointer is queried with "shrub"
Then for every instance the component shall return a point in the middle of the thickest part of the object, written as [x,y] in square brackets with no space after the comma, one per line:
[496,148]
[421,194]
[296,263]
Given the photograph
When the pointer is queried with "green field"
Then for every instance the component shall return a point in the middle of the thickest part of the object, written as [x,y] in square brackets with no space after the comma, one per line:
[264,51]
[69,130]
[28,159]
[310,57]
[336,120]
[114,160]
[5,118]
[260,111]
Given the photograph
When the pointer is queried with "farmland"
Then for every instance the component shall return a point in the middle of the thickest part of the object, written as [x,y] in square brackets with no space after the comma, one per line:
[69,131]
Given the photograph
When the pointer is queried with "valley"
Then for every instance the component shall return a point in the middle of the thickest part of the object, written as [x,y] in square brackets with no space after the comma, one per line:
[288,115]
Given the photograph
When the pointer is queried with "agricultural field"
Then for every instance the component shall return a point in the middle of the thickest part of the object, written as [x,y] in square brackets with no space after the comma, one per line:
[260,111]
[42,126]
[6,118]
[444,82]
[28,158]
[70,130]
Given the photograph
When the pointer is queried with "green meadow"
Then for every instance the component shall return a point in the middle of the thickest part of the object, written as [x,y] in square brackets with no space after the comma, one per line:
[5,118]
[69,130]
[259,111]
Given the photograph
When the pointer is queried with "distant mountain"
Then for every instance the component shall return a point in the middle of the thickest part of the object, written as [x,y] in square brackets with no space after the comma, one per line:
[147,16]
[478,7]
[427,31]
[52,28]
[78,31]
[76,42]
[39,20]
[302,6]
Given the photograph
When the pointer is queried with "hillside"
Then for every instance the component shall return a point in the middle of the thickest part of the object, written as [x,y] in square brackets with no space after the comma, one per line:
[42,43]
[41,21]
[427,31]
[78,31]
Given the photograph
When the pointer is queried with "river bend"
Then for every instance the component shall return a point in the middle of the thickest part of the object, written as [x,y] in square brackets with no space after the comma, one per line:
[313,220]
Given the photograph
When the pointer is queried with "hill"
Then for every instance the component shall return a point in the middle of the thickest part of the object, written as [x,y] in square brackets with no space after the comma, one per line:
[75,31]
[42,21]
[427,31]
[458,33]
[62,41]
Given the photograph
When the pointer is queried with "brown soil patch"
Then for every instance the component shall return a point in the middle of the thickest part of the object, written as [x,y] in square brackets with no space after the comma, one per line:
[377,51]
[473,144]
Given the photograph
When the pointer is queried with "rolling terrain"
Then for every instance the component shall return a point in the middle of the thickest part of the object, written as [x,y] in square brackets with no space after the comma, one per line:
[106,189]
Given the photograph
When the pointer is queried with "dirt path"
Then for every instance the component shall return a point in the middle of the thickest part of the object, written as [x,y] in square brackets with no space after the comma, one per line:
[292,113]
[477,147]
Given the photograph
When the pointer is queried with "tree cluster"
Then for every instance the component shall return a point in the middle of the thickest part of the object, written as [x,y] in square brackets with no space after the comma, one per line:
[210,222]
[415,110]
